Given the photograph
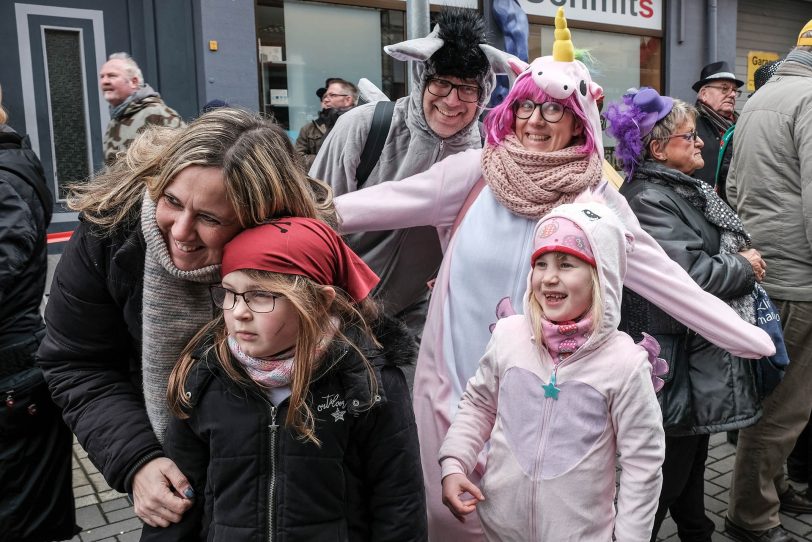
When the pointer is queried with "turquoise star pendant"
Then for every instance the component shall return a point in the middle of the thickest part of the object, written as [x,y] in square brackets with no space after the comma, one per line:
[550,390]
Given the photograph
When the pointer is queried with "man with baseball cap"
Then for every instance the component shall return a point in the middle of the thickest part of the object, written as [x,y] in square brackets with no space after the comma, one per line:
[717,90]
[768,186]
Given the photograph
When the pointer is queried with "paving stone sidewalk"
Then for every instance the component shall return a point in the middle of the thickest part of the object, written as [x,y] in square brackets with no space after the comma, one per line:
[106,515]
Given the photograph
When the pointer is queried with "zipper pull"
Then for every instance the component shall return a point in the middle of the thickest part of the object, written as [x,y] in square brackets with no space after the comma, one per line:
[10,399]
[273,426]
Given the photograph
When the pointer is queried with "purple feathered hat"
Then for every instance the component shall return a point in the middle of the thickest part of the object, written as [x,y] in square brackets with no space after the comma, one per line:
[633,119]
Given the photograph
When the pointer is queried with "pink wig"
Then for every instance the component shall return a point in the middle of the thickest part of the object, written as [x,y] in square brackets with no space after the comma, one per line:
[501,120]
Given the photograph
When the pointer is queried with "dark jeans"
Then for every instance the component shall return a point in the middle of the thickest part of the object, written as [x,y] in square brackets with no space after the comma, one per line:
[683,488]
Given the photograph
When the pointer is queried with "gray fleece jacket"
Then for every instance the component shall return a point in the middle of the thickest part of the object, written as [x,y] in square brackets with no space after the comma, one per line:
[404,259]
[770,175]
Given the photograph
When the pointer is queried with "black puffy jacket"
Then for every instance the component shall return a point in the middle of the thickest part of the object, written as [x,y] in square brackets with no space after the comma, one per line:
[25,212]
[707,390]
[91,353]
[256,480]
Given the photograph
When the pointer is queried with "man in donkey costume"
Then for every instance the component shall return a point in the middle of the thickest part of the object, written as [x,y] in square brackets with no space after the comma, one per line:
[452,79]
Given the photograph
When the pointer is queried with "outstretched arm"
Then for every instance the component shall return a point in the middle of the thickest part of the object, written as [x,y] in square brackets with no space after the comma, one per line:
[659,279]
[431,198]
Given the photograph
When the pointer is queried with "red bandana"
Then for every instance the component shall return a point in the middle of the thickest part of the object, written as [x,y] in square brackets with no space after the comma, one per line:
[300,246]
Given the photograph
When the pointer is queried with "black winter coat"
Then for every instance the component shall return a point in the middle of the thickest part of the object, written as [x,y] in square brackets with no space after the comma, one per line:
[91,353]
[256,480]
[25,212]
[707,390]
[710,151]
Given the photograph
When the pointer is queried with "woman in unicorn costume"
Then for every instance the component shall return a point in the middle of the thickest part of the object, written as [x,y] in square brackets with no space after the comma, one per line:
[543,149]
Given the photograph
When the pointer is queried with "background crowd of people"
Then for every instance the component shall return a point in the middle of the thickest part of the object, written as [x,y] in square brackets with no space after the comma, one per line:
[244,372]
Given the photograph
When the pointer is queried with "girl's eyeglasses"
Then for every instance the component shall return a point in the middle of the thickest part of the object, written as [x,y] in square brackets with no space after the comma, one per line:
[256,300]
[550,111]
[690,137]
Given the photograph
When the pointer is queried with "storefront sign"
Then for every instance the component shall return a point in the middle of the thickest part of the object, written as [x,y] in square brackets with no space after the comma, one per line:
[469,4]
[755,59]
[646,14]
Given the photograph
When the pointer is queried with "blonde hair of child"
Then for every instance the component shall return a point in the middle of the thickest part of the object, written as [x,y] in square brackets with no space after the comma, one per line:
[536,313]
[316,315]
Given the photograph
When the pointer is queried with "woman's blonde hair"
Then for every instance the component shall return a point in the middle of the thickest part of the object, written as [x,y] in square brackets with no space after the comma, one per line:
[264,176]
[668,125]
[536,313]
[3,115]
[316,313]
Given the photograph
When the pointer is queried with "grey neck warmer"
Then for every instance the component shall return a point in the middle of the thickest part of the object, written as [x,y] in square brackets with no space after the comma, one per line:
[801,57]
[145,91]
[176,304]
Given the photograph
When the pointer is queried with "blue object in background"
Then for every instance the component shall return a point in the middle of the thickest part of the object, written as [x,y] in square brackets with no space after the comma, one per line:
[512,21]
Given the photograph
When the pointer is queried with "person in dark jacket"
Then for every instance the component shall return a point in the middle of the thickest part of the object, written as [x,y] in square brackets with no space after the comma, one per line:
[131,288]
[337,97]
[707,390]
[291,424]
[716,93]
[36,495]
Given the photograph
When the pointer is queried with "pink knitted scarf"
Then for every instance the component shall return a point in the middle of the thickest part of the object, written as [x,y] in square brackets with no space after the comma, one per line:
[531,183]
[268,373]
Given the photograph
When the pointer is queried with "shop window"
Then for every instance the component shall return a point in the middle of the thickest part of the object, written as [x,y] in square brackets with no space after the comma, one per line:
[621,61]
[66,106]
[302,43]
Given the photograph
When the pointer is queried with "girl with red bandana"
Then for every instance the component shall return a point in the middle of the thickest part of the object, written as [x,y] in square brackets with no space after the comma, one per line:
[292,418]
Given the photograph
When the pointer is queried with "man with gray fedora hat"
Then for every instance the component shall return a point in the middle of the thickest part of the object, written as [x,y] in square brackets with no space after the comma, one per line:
[716,93]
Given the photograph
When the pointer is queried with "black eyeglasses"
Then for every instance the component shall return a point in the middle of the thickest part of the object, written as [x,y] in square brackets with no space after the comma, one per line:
[726,89]
[256,300]
[550,111]
[442,88]
[332,95]
[687,136]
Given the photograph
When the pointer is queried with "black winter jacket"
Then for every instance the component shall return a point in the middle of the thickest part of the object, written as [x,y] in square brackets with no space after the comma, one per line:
[91,353]
[707,390]
[710,151]
[25,212]
[256,480]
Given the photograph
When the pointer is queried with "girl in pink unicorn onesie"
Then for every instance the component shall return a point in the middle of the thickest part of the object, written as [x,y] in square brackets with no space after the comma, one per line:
[559,392]
[543,149]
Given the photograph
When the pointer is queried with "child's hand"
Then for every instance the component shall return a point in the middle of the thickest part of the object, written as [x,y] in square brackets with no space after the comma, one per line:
[454,485]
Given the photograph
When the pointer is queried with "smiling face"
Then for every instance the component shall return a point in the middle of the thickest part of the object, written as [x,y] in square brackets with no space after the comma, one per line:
[536,134]
[678,152]
[195,217]
[260,335]
[115,83]
[562,285]
[448,115]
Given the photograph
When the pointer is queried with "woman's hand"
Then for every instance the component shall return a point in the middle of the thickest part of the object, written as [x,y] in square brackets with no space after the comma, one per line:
[454,485]
[161,493]
[759,266]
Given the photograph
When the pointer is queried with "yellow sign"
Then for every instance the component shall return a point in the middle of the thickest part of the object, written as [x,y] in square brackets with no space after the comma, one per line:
[755,59]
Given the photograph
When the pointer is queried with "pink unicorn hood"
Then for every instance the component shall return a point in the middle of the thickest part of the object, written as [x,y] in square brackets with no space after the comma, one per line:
[610,242]
[560,76]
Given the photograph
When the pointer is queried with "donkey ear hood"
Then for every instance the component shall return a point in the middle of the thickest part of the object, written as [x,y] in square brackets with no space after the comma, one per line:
[503,63]
[419,49]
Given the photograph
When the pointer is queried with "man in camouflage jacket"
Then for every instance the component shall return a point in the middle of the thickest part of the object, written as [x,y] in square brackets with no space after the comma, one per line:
[133,104]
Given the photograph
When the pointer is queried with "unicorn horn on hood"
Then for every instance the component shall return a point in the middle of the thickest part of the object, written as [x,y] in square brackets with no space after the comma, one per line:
[563,50]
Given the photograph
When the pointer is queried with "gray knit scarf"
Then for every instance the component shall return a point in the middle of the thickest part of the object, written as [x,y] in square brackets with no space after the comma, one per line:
[176,305]
[701,195]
